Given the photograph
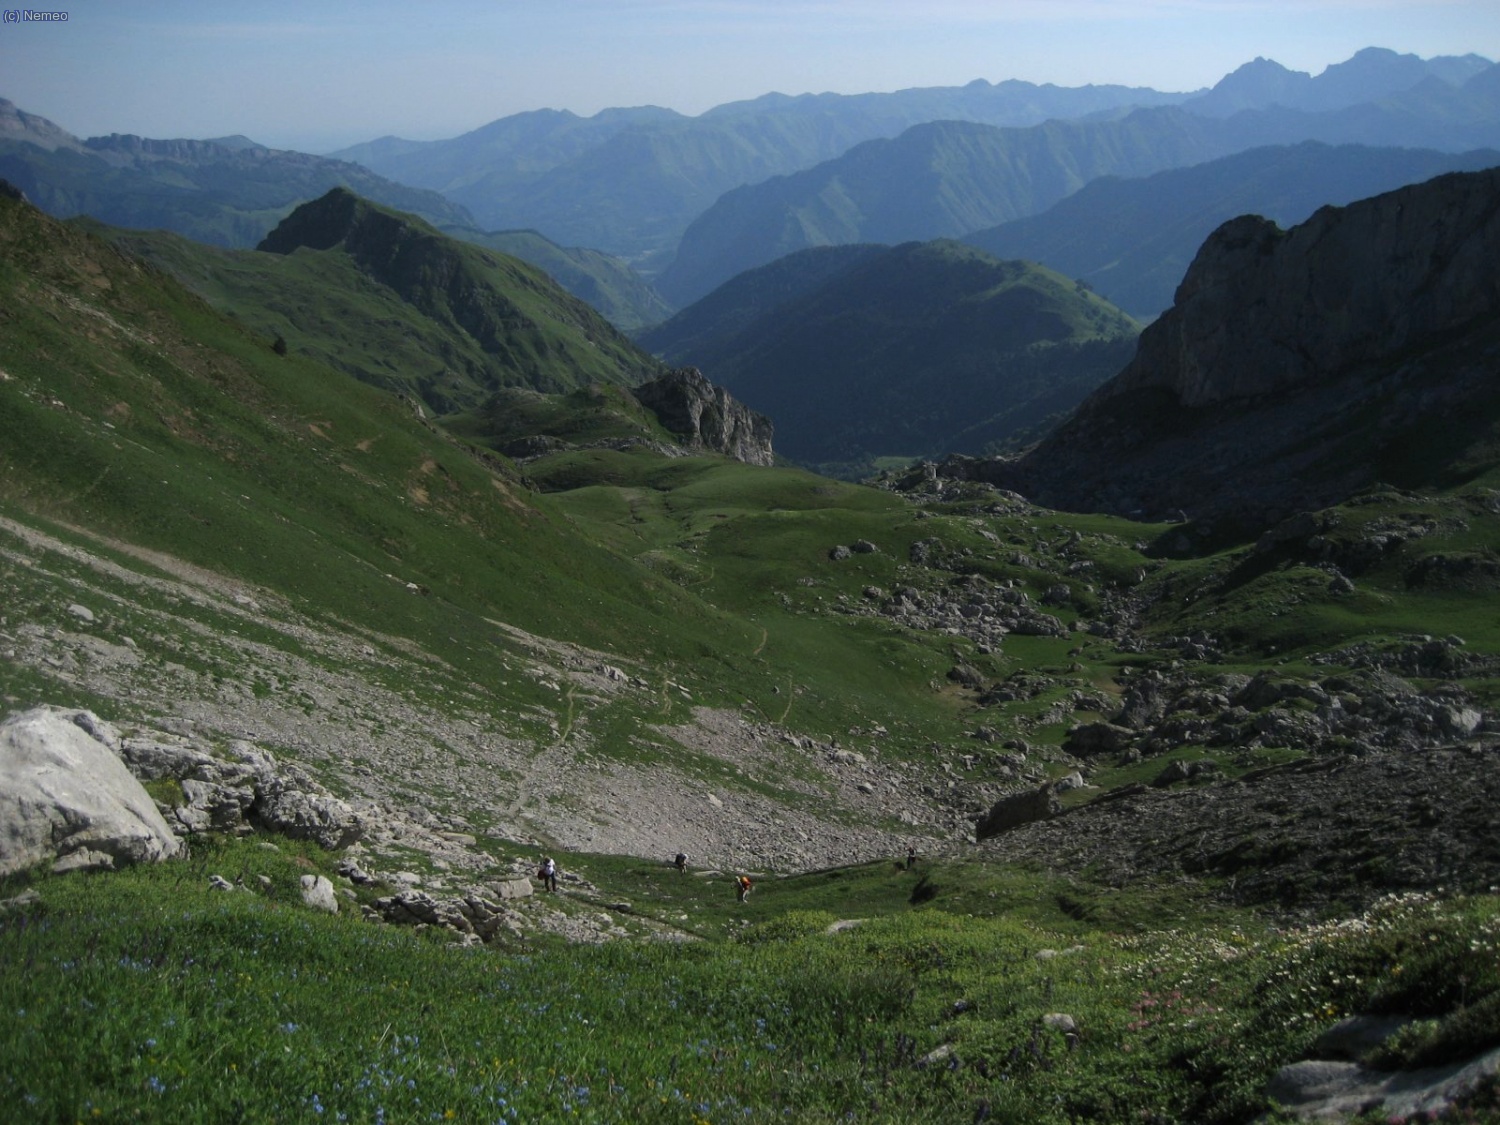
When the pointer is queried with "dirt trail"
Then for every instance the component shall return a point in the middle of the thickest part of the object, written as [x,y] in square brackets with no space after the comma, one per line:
[548,763]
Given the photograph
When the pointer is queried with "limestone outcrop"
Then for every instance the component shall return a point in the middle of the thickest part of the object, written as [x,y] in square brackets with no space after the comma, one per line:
[1295,368]
[250,789]
[66,796]
[707,416]
[1263,311]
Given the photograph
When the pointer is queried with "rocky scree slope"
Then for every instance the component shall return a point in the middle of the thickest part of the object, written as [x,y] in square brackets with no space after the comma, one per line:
[191,655]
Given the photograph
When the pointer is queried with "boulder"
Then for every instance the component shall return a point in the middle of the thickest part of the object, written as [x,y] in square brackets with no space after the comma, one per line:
[64,790]
[1073,780]
[1097,738]
[1317,1090]
[317,892]
[303,815]
[511,888]
[1016,810]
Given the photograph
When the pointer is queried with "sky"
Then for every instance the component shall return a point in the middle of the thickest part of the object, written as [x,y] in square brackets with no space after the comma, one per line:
[318,75]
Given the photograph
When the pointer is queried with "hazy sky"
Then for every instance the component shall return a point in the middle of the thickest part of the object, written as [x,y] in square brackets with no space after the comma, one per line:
[320,74]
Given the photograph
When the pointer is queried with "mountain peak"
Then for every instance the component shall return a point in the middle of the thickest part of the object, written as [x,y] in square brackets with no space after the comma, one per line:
[18,125]
[533,332]
[323,223]
[1239,401]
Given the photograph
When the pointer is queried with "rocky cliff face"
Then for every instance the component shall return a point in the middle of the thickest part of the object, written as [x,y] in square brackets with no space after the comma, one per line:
[707,417]
[1263,311]
[1298,366]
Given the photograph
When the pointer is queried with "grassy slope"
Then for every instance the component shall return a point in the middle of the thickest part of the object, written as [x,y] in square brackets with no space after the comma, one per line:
[325,304]
[607,283]
[920,350]
[185,1003]
[131,407]
[325,308]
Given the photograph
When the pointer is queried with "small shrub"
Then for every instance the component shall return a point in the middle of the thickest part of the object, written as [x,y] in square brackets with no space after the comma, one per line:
[791,925]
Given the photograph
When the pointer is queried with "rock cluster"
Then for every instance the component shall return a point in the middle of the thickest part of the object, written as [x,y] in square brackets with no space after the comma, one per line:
[707,416]
[1355,713]
[977,610]
[251,790]
[478,911]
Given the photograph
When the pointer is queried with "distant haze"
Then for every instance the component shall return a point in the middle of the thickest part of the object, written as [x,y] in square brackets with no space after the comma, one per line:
[319,76]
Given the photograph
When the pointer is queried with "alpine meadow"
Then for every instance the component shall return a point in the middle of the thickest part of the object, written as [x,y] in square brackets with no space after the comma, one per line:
[977,603]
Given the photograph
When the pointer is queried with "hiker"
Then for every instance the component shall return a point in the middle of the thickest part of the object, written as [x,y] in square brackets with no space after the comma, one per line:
[742,887]
[548,874]
[680,862]
[911,858]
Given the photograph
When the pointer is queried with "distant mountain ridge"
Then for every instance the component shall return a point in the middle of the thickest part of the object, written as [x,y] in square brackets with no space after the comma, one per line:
[1132,239]
[946,180]
[223,193]
[917,349]
[230,192]
[628,181]
[1370,75]
[940,180]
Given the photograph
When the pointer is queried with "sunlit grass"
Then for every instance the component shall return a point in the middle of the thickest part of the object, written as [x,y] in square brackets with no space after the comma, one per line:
[146,995]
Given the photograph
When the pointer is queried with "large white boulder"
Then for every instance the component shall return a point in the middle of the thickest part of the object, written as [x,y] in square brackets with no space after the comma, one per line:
[64,790]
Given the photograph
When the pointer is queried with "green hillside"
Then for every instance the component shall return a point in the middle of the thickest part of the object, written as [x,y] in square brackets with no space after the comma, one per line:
[917,351]
[624,298]
[132,408]
[698,333]
[399,305]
